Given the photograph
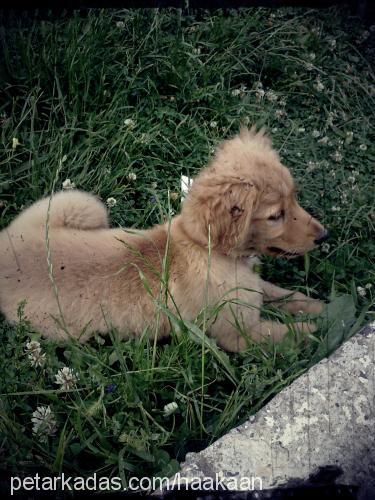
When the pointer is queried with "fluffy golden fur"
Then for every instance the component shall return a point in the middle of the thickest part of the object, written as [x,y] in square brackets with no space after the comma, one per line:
[241,205]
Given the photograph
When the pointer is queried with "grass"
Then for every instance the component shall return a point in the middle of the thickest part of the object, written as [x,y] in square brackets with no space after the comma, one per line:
[110,94]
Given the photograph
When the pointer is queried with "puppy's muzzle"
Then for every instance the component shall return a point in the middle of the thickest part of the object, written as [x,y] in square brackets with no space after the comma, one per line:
[323,236]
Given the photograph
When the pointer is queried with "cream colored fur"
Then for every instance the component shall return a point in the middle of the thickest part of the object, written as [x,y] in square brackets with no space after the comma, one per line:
[111,277]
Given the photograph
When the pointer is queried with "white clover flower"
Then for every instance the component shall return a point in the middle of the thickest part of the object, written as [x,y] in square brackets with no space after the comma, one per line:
[361,291]
[44,422]
[309,66]
[315,134]
[311,166]
[325,247]
[351,178]
[335,209]
[279,113]
[213,124]
[312,56]
[129,122]
[66,378]
[259,94]
[332,43]
[282,102]
[324,140]
[235,92]
[274,130]
[271,96]
[336,156]
[362,147]
[170,408]
[132,176]
[319,86]
[368,286]
[34,353]
[111,202]
[15,143]
[120,24]
[68,184]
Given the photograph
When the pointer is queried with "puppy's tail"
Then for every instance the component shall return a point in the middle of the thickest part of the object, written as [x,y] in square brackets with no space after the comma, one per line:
[71,209]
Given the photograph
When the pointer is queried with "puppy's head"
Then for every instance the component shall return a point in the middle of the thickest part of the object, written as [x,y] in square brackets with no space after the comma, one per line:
[244,202]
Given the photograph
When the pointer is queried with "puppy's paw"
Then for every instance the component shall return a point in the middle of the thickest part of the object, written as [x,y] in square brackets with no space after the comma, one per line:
[303,304]
[314,306]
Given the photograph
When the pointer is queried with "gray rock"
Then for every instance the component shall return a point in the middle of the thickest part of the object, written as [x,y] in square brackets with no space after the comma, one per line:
[325,417]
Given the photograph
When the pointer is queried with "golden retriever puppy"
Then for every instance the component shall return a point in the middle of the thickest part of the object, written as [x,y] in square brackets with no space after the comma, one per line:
[89,278]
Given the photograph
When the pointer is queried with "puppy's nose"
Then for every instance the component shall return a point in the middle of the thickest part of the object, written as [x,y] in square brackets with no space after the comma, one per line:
[324,235]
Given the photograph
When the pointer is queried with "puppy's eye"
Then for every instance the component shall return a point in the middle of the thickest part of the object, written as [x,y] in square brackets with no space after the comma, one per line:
[279,215]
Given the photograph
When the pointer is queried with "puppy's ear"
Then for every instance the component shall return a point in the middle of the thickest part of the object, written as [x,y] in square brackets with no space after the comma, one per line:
[230,216]
[220,213]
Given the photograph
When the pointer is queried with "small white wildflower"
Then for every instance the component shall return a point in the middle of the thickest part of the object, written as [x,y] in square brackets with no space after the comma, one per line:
[120,24]
[259,94]
[309,66]
[319,86]
[274,130]
[172,98]
[213,124]
[66,378]
[271,96]
[129,122]
[301,130]
[15,143]
[333,173]
[154,185]
[235,92]
[132,176]
[170,408]
[324,140]
[311,166]
[335,209]
[279,113]
[315,134]
[282,102]
[68,184]
[362,147]
[361,291]
[111,202]
[368,286]
[325,247]
[332,43]
[349,137]
[197,51]
[312,56]
[44,422]
[351,178]
[35,354]
[336,156]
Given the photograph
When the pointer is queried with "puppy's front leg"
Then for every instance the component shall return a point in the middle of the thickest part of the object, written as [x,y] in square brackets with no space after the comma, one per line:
[287,300]
[233,341]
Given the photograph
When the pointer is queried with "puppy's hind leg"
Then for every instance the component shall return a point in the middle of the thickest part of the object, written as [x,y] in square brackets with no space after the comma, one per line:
[70,209]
